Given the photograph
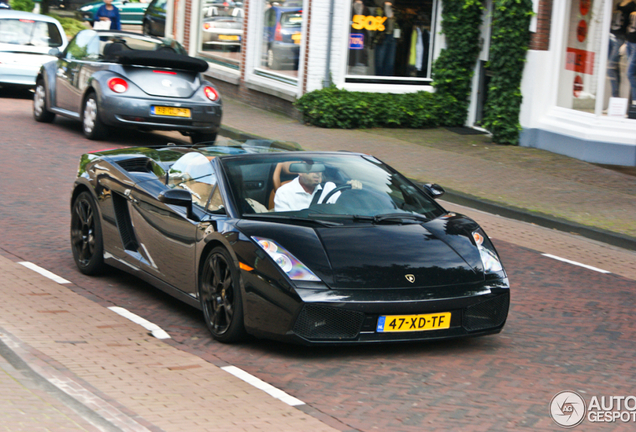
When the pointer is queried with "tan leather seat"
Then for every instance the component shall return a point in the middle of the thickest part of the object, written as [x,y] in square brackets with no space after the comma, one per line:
[282,168]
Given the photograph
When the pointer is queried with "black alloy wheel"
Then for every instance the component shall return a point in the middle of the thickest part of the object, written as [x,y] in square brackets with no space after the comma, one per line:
[86,235]
[220,297]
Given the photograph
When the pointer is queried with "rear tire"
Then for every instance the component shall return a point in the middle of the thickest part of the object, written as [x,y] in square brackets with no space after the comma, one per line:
[93,127]
[86,235]
[40,113]
[198,138]
[220,297]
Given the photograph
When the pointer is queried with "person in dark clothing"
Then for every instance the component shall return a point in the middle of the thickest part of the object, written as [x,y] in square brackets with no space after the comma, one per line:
[618,30]
[108,12]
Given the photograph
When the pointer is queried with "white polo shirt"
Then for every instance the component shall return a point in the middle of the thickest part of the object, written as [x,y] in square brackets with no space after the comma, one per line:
[292,197]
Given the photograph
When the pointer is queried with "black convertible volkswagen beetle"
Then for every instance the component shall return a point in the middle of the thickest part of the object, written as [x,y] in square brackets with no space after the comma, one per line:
[375,258]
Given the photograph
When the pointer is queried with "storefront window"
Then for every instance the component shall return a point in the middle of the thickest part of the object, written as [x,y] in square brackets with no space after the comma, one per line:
[282,37]
[389,40]
[579,79]
[622,31]
[222,31]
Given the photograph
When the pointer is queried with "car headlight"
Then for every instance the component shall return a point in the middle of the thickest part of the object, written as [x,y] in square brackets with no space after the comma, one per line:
[286,261]
[489,257]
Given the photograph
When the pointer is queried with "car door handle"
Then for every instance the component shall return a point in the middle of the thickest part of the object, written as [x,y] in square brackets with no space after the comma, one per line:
[131,198]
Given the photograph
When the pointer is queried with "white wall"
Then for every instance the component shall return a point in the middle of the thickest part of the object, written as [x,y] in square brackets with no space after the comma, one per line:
[317,41]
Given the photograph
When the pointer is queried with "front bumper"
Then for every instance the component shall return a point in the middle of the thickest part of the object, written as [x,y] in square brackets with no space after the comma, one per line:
[320,323]
[345,316]
[135,112]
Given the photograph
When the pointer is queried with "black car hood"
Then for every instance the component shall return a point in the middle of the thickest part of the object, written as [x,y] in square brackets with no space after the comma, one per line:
[381,256]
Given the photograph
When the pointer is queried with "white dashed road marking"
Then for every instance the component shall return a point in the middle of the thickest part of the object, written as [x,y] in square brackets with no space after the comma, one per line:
[154,329]
[575,263]
[44,272]
[262,385]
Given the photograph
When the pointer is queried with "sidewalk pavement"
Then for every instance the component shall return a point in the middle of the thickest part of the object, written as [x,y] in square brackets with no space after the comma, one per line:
[68,364]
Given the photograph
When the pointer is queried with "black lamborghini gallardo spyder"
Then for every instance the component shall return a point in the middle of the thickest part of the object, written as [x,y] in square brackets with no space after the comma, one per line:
[370,256]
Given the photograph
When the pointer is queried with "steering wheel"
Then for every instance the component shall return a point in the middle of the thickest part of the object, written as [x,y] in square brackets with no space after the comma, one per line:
[334,191]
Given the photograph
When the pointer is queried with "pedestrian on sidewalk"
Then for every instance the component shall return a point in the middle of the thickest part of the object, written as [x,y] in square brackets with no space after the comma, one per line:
[108,13]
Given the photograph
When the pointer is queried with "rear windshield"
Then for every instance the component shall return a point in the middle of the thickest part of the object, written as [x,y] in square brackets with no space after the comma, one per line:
[29,32]
[291,19]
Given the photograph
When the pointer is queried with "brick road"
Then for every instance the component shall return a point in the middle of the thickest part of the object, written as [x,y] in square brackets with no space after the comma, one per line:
[562,333]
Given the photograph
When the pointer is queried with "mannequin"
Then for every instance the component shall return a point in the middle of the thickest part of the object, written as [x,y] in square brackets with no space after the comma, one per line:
[359,57]
[384,41]
[618,30]
[630,37]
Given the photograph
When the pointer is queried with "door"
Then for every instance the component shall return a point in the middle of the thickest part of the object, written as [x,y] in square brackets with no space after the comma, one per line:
[72,75]
[166,234]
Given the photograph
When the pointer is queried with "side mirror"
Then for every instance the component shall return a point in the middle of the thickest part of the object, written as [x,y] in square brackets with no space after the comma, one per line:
[434,190]
[54,52]
[178,197]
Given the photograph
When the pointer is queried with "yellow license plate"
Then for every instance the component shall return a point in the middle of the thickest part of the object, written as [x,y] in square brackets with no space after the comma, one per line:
[170,111]
[410,323]
[296,38]
[228,37]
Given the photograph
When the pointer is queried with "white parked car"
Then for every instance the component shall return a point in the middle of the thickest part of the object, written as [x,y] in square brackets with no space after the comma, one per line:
[27,41]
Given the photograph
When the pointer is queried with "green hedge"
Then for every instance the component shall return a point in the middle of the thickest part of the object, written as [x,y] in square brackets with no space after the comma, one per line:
[336,108]
[22,5]
[454,68]
[508,47]
[70,25]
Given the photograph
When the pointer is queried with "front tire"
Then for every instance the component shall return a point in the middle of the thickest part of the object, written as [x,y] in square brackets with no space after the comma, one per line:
[93,127]
[86,235]
[197,137]
[40,113]
[220,297]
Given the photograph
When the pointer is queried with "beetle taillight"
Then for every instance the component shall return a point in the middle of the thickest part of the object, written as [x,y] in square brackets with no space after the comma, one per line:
[117,85]
[278,35]
[211,93]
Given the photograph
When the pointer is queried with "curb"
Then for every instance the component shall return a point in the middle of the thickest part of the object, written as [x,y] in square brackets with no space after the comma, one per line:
[541,219]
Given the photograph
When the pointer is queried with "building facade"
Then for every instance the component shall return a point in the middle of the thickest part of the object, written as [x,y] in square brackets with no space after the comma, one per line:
[271,52]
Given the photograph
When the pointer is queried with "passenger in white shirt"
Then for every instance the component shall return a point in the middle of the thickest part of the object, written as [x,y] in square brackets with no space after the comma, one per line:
[298,193]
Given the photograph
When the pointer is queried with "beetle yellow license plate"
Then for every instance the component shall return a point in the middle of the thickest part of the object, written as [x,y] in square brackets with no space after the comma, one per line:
[170,111]
[228,37]
[410,323]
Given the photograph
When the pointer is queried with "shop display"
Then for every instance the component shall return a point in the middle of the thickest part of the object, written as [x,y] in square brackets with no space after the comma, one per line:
[390,39]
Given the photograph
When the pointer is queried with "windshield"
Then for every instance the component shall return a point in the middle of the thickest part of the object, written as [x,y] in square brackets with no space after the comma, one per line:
[29,32]
[328,187]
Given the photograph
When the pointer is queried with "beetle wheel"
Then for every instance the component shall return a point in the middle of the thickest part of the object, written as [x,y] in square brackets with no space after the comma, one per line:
[94,128]
[40,113]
